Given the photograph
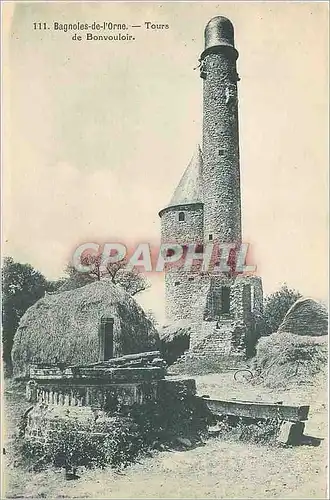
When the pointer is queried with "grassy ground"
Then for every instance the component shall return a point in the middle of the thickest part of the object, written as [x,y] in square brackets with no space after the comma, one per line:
[219,469]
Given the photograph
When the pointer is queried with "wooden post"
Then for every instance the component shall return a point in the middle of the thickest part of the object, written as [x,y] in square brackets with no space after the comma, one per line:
[106,339]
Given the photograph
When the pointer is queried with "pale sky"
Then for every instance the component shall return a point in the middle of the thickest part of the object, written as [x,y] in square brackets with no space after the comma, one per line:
[98,134]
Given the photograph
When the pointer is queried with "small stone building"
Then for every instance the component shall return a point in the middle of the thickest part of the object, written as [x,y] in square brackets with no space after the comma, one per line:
[96,322]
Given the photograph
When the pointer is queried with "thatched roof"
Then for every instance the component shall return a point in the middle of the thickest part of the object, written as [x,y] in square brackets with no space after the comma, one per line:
[189,189]
[306,317]
[176,329]
[175,339]
[74,282]
[63,327]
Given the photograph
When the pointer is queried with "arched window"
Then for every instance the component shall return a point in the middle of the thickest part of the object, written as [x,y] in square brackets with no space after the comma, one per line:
[181,216]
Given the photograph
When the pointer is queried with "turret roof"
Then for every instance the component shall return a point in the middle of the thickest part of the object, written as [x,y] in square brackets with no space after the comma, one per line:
[189,189]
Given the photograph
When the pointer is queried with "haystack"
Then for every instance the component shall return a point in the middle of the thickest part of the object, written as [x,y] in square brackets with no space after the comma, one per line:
[306,317]
[176,329]
[175,339]
[285,359]
[64,327]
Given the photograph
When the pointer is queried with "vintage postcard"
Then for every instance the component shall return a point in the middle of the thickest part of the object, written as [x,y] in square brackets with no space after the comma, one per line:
[164,249]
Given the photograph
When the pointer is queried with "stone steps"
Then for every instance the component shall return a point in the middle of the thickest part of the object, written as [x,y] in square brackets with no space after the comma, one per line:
[215,341]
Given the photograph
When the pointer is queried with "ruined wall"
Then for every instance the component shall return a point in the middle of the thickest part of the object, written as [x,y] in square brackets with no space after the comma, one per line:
[221,174]
[235,331]
[248,304]
[80,404]
[215,299]
[199,298]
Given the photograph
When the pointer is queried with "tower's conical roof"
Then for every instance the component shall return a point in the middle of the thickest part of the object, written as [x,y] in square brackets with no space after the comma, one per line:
[189,189]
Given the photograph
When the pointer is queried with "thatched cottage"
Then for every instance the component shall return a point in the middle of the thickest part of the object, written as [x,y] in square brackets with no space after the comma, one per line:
[97,321]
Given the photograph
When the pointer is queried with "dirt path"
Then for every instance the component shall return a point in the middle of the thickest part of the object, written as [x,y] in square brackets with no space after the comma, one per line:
[219,469]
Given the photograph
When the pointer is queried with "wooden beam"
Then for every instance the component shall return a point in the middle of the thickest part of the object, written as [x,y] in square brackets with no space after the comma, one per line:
[257,410]
[143,356]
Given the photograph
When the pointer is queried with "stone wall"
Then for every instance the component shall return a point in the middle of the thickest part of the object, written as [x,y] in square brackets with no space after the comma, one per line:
[185,295]
[190,230]
[198,298]
[223,339]
[42,419]
[80,404]
[215,298]
[233,332]
[183,289]
[103,395]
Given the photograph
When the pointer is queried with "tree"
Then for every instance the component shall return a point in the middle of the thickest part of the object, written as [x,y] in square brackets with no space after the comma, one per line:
[54,285]
[276,306]
[22,286]
[133,281]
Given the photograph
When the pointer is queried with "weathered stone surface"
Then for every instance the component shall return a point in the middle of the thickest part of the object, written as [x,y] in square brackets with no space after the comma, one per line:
[188,230]
[221,173]
[184,441]
[119,374]
[170,403]
[291,433]
[306,317]
[258,410]
[42,419]
[104,396]
[200,300]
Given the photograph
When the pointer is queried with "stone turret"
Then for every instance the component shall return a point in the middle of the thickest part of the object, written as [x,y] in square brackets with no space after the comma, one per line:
[182,222]
[182,218]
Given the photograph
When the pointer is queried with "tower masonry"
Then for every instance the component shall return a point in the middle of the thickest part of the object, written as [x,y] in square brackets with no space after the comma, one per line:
[221,172]
[223,309]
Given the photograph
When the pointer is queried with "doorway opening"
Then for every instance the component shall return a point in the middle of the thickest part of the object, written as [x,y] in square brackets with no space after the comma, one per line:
[225,300]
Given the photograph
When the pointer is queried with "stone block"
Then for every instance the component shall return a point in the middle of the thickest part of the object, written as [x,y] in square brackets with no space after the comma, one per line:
[291,433]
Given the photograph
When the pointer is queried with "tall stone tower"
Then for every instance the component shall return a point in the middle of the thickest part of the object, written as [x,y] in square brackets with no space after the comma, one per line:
[222,309]
[221,171]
